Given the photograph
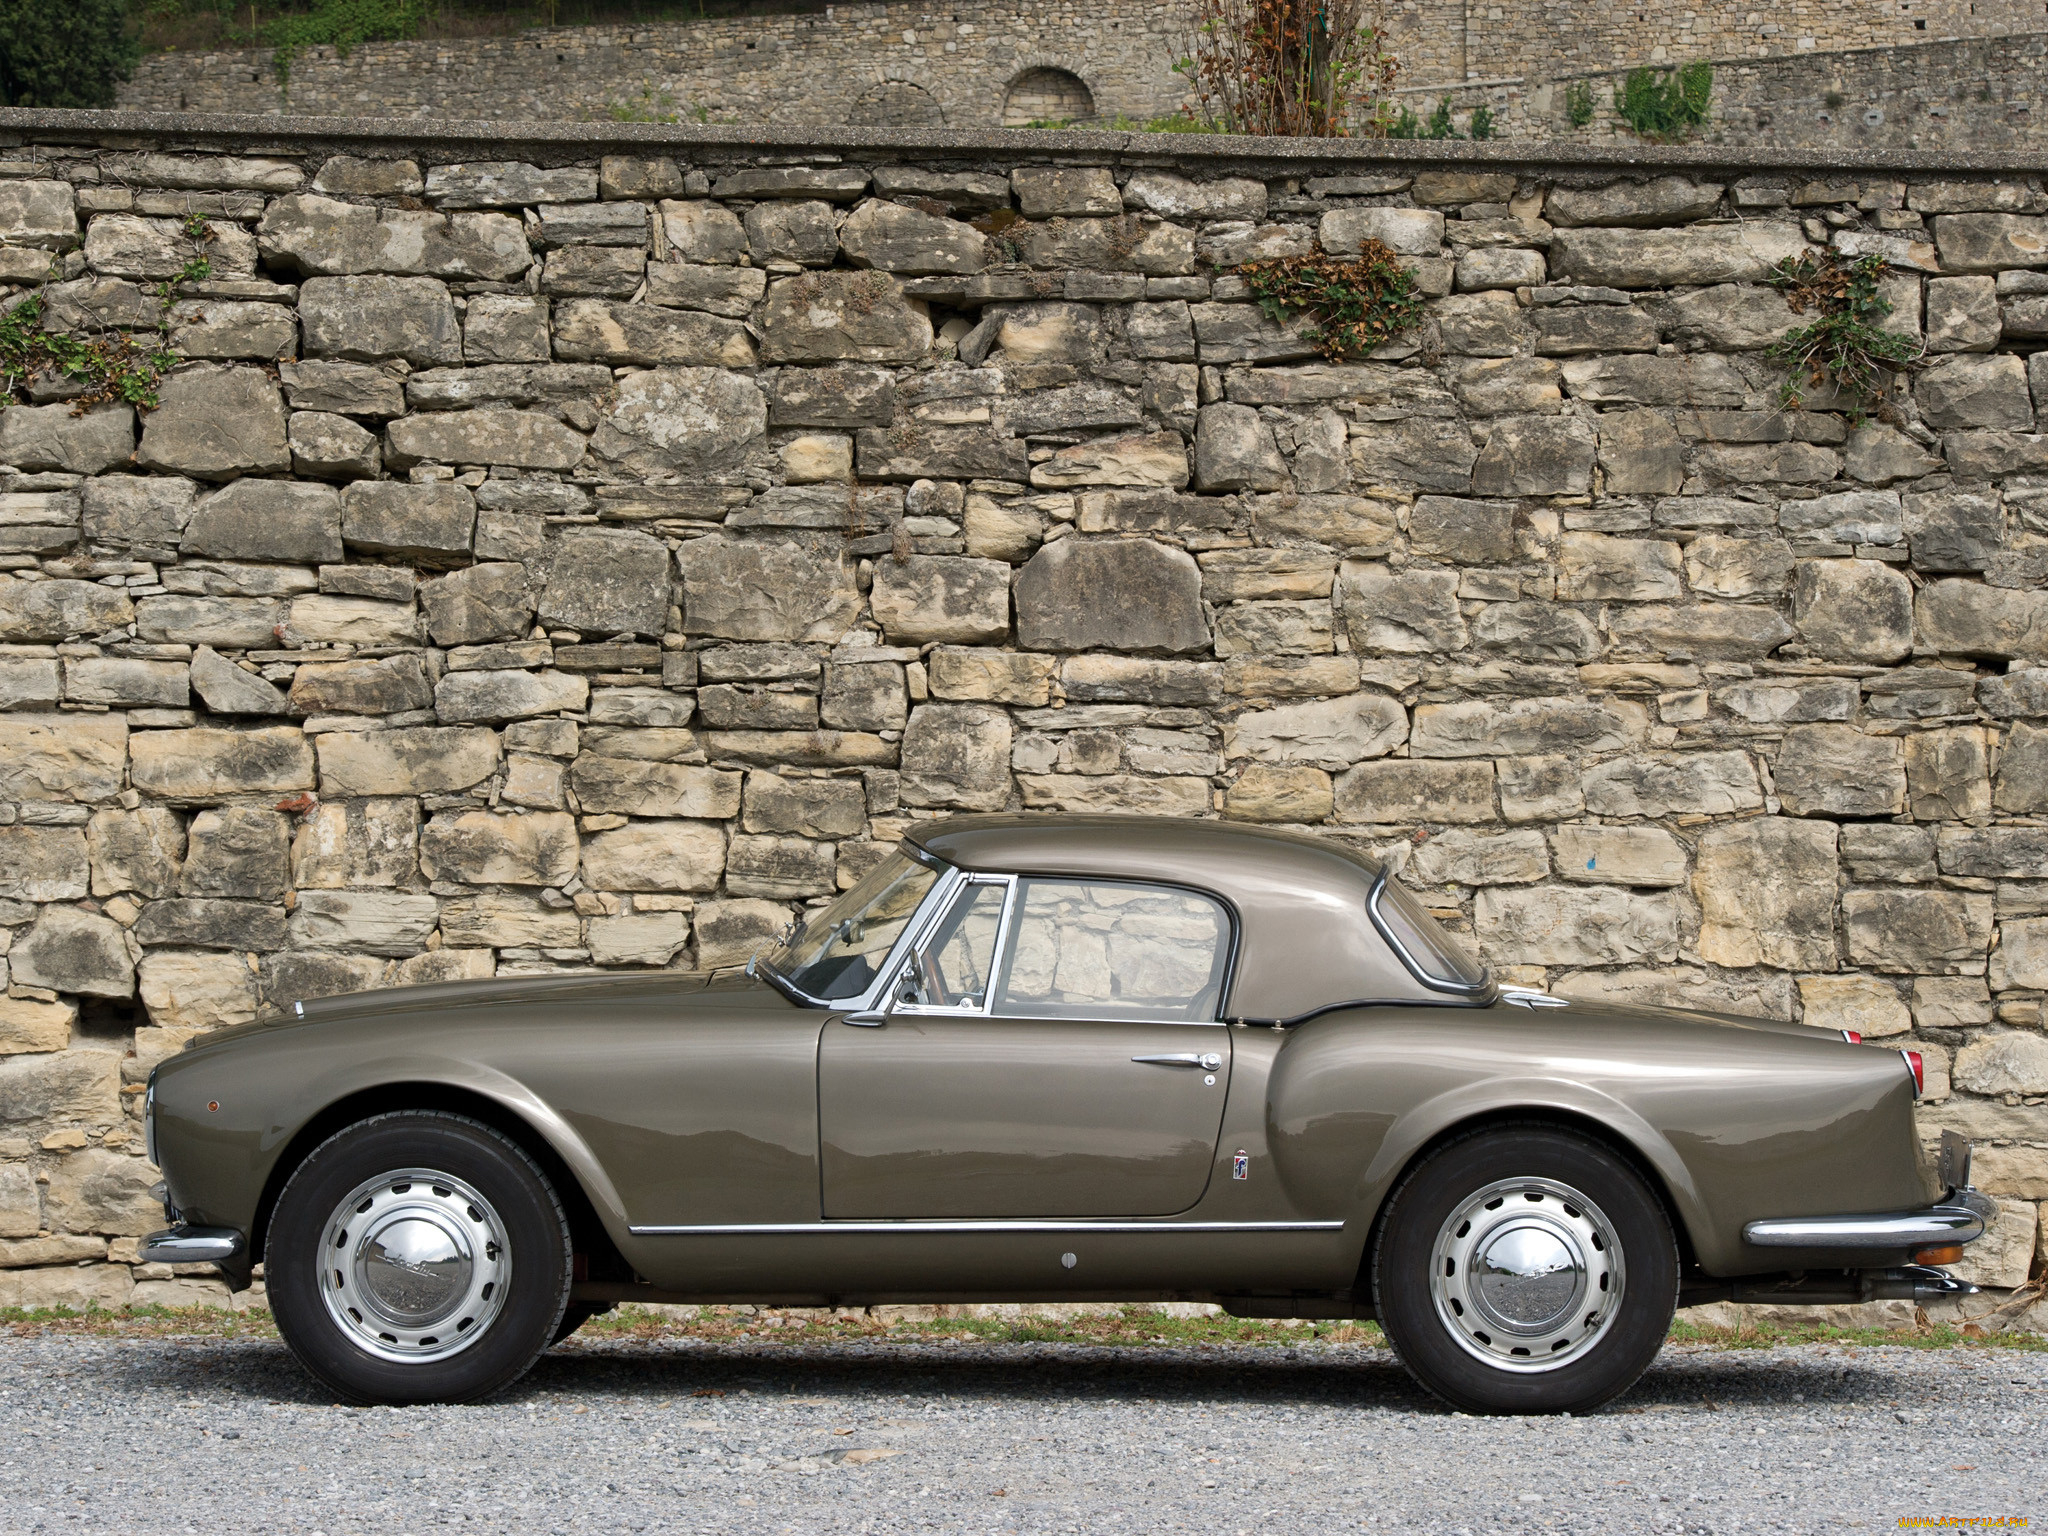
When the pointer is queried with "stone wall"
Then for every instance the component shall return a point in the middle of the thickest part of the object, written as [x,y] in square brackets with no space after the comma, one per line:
[572,550]
[960,65]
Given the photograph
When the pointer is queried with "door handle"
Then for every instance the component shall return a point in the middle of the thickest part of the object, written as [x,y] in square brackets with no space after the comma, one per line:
[1207,1061]
[866,1020]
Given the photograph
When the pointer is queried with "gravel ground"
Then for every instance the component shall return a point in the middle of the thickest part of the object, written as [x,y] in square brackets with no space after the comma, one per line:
[679,1435]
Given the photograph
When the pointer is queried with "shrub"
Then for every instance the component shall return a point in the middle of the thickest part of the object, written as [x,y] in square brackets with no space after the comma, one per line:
[1578,103]
[1302,68]
[1663,105]
[64,53]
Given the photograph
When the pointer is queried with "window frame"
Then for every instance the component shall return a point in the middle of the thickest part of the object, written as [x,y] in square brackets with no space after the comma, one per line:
[1483,987]
[947,895]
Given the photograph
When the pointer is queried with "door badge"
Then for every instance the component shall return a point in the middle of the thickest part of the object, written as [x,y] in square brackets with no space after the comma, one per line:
[1241,1166]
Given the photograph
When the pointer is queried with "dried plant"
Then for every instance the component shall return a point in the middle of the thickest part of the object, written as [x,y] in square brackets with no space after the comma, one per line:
[1299,68]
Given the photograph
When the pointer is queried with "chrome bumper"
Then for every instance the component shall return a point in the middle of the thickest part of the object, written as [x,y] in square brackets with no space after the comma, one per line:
[192,1245]
[1961,1217]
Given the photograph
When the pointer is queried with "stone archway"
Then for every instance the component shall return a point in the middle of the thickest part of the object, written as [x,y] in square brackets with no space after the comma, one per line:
[1047,95]
[896,104]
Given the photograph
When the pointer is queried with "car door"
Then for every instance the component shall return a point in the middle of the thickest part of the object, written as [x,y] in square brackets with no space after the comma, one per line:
[1051,1049]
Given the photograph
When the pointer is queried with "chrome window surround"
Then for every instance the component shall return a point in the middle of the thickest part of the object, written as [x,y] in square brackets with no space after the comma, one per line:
[927,930]
[1483,987]
[935,902]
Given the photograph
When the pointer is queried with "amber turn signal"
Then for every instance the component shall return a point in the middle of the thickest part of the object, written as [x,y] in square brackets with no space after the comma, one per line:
[1948,1253]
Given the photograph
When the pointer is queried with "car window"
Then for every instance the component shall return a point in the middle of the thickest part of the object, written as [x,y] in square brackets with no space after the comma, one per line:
[951,968]
[842,946]
[1439,958]
[1108,949]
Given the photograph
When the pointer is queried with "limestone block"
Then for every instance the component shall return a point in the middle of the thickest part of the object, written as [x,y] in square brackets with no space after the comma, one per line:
[1244,333]
[1640,454]
[216,423]
[374,922]
[1130,679]
[607,581]
[29,1024]
[1408,612]
[2012,1061]
[739,589]
[518,439]
[1766,889]
[293,976]
[239,851]
[1162,330]
[40,214]
[1867,1005]
[369,319]
[1119,595]
[1506,268]
[1880,455]
[318,616]
[484,848]
[678,856]
[1670,258]
[1050,343]
[1837,770]
[1516,727]
[1661,200]
[29,681]
[59,610]
[729,291]
[388,685]
[1879,851]
[508,921]
[804,808]
[847,395]
[43,863]
[1485,325]
[1966,391]
[1234,575]
[81,1287]
[330,447]
[125,682]
[592,330]
[639,787]
[1426,454]
[957,755]
[786,867]
[1536,631]
[1768,996]
[829,317]
[1325,733]
[943,598]
[353,175]
[1113,794]
[1045,192]
[2021,959]
[219,329]
[1595,567]
[1536,456]
[416,760]
[211,922]
[1138,459]
[2023,771]
[1766,464]
[486,602]
[95,1190]
[871,696]
[1950,1002]
[1962,314]
[1963,618]
[594,271]
[1410,791]
[1854,610]
[62,757]
[1458,857]
[1990,242]
[493,696]
[703,232]
[505,328]
[1575,330]
[136,511]
[1699,380]
[267,520]
[682,419]
[507,184]
[2003,1256]
[52,437]
[1723,566]
[1176,197]
[1265,792]
[1635,856]
[1673,783]
[728,933]
[1405,231]
[896,238]
[198,989]
[1708,630]
[1274,629]
[1235,451]
[431,523]
[1729,317]
[137,851]
[1847,517]
[727,707]
[1955,530]
[1567,925]
[638,938]
[69,950]
[1127,244]
[1948,774]
[1910,930]
[209,763]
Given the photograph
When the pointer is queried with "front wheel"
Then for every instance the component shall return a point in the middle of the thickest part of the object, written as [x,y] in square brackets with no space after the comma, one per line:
[1524,1269]
[418,1257]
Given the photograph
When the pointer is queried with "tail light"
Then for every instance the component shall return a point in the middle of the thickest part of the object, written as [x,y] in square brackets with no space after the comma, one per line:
[1852,1037]
[1918,1068]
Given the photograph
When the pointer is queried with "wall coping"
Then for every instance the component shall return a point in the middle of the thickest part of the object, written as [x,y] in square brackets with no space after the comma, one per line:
[566,140]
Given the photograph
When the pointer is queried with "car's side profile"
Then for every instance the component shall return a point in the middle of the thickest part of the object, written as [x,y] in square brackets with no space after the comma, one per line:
[1052,1059]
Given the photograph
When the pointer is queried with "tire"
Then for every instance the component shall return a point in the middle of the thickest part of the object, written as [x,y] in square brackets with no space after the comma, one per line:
[1525,1269]
[418,1257]
[575,1315]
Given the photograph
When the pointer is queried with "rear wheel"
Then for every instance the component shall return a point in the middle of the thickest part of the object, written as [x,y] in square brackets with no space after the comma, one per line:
[418,1257]
[1525,1269]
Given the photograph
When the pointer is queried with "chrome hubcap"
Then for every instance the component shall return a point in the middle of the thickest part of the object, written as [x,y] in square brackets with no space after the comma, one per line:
[414,1265]
[1527,1274]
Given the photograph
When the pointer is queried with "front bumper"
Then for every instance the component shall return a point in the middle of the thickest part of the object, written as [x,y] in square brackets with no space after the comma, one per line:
[193,1245]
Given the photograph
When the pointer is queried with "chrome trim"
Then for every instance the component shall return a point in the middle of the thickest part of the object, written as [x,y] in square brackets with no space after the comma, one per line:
[1480,988]
[892,964]
[1204,1061]
[1960,1218]
[801,1228]
[1530,997]
[191,1245]
[149,1120]
[1919,1087]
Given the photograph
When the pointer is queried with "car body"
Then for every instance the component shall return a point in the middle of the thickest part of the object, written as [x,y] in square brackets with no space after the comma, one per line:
[1079,1058]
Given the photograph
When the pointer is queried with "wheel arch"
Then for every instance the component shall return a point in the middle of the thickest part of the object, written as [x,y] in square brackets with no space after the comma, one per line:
[597,1253]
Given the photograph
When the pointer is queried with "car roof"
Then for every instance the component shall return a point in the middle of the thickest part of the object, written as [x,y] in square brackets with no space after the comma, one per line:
[1306,942]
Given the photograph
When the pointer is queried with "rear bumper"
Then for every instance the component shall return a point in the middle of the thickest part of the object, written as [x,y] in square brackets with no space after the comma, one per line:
[193,1245]
[1960,1217]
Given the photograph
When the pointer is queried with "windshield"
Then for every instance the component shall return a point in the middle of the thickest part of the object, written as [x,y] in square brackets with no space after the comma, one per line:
[842,946]
[1437,959]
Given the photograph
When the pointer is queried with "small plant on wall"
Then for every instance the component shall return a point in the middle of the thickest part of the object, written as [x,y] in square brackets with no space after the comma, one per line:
[1301,68]
[1664,105]
[1356,304]
[1845,349]
[1578,103]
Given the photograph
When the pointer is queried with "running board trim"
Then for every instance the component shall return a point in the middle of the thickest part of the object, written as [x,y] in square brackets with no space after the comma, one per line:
[943,1228]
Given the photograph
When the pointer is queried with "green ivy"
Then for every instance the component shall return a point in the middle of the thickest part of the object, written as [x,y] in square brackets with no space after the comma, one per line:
[341,25]
[1664,105]
[1845,349]
[1578,103]
[1356,304]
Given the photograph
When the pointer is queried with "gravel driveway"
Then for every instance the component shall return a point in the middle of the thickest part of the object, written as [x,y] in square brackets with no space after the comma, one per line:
[678,1435]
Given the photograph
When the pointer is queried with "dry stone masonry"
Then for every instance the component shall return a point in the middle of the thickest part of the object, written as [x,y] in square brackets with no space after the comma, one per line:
[589,553]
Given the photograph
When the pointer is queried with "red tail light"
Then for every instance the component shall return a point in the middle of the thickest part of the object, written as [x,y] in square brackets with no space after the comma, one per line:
[1852,1037]
[1918,1068]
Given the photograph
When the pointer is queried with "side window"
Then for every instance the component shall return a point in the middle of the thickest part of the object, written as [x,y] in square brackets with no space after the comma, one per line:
[951,968]
[1103,949]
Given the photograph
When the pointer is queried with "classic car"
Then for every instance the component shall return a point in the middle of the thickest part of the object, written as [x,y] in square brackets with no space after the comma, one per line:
[1052,1059]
